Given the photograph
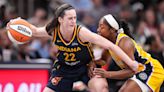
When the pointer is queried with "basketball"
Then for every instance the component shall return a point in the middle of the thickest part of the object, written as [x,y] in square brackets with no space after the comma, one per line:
[19,31]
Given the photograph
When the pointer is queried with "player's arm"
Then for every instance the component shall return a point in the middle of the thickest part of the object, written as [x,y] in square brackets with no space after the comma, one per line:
[88,36]
[46,31]
[122,74]
[128,47]
[39,32]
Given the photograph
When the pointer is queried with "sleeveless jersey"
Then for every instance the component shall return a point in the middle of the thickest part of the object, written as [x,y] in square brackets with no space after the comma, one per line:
[72,56]
[152,74]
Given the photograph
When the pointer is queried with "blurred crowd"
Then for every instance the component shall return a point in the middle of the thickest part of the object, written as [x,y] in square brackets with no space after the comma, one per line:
[145,19]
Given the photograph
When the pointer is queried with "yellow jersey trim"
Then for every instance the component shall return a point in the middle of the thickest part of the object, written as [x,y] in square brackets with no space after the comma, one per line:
[120,36]
[88,44]
[54,35]
[74,35]
[78,38]
[90,50]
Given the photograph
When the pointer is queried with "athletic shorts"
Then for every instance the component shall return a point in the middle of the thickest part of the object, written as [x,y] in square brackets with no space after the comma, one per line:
[152,76]
[63,84]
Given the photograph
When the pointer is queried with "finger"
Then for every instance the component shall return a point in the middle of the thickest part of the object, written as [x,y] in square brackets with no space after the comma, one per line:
[90,72]
[18,18]
[98,69]
[12,20]
[98,74]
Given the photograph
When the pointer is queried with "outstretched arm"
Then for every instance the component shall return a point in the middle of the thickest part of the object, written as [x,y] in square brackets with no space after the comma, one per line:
[88,36]
[121,74]
[128,47]
[39,32]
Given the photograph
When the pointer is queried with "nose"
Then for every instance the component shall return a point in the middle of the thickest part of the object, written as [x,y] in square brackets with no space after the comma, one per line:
[74,20]
[98,30]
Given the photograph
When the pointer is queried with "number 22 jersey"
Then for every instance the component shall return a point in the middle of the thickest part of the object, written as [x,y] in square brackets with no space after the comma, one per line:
[72,56]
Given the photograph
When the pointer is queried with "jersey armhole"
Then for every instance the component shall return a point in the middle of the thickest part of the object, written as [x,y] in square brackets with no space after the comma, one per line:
[78,38]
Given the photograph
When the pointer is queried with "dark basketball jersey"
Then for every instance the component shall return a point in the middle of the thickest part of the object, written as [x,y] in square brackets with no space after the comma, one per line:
[72,56]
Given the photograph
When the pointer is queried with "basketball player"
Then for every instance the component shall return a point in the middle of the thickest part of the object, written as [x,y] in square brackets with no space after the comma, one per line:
[74,49]
[148,79]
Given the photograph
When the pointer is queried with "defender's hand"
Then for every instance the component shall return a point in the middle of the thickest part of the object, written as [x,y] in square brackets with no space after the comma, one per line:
[91,67]
[101,72]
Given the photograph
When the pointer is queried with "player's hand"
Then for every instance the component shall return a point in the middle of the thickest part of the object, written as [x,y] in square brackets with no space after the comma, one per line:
[101,72]
[137,67]
[12,20]
[91,67]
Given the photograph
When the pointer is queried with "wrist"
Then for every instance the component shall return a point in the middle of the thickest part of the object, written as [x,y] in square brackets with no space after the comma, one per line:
[108,75]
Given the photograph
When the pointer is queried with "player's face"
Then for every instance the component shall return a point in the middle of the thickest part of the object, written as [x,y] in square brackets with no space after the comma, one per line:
[103,29]
[69,19]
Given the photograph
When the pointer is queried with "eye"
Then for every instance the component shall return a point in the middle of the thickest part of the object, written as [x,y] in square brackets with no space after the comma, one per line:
[70,18]
[102,26]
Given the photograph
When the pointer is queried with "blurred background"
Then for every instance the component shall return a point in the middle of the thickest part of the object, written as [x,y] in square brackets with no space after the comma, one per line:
[145,19]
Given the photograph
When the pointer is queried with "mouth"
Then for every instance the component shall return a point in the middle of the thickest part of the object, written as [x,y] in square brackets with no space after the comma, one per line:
[72,24]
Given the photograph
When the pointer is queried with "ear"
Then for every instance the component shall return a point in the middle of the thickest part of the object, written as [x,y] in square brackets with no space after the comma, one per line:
[60,19]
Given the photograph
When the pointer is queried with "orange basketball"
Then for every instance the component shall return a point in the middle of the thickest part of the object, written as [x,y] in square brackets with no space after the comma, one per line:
[19,31]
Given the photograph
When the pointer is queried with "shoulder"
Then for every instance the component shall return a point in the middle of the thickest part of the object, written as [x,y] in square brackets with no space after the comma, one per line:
[85,34]
[126,42]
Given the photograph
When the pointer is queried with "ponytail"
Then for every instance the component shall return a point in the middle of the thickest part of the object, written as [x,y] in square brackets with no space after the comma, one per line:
[51,26]
[124,25]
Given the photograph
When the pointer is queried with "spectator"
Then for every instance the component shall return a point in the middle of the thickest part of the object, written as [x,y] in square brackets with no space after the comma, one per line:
[155,48]
[160,13]
[40,17]
[161,31]
[151,20]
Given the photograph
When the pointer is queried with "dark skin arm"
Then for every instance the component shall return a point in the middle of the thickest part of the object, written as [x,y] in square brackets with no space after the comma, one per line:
[127,46]
[105,58]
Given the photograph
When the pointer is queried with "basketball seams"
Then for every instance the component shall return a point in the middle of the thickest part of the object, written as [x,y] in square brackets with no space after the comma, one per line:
[21,37]
[19,31]
[13,27]
[12,39]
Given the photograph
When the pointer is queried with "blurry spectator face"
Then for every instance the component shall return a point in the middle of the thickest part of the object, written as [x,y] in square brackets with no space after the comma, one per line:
[154,43]
[125,13]
[124,2]
[161,29]
[40,14]
[150,17]
[161,7]
[4,38]
[141,27]
[88,19]
[10,13]
[97,2]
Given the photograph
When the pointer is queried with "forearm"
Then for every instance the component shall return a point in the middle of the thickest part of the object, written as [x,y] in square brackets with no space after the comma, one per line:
[122,74]
[119,52]
[39,32]
[132,64]
[106,44]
